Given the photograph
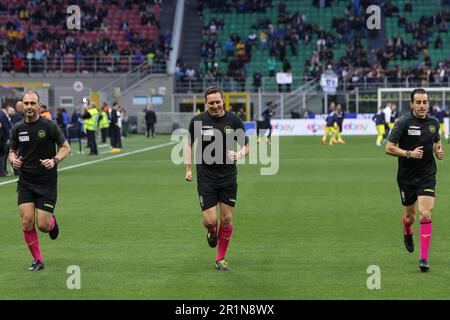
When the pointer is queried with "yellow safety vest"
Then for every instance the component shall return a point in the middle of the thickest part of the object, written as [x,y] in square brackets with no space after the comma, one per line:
[104,123]
[91,123]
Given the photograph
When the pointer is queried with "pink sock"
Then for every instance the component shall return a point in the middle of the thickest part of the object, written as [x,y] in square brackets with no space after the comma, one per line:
[212,229]
[407,228]
[32,240]
[426,229]
[225,233]
[52,223]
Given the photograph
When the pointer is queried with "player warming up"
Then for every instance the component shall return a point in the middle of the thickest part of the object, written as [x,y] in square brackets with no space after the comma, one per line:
[216,169]
[33,155]
[415,140]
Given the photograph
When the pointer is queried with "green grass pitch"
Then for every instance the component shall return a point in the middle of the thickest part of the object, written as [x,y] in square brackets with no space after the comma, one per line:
[133,226]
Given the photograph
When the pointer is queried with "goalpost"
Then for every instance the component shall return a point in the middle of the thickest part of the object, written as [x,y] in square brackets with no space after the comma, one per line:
[401,97]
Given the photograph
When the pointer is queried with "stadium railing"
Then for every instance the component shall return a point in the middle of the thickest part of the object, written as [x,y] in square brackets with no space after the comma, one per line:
[268,84]
[365,83]
[86,64]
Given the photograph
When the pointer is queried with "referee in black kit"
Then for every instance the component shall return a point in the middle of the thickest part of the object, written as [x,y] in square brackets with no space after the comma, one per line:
[216,178]
[33,154]
[415,140]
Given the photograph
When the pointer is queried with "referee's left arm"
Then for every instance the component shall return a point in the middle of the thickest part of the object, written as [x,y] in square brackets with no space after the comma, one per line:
[64,151]
[438,150]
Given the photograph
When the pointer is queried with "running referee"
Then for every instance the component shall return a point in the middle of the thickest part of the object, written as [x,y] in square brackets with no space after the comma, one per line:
[216,168]
[33,154]
[415,140]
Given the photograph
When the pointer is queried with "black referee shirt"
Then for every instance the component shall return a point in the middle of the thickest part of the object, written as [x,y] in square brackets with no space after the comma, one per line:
[34,141]
[202,127]
[411,132]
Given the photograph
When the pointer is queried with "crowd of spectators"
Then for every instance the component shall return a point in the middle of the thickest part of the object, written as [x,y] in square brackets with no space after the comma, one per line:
[35,34]
[293,29]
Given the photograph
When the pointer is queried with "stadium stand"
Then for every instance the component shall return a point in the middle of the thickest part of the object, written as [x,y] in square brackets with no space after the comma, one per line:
[114,37]
[239,38]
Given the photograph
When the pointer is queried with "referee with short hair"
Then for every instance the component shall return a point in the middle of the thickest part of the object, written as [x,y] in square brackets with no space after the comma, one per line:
[415,140]
[33,154]
[216,170]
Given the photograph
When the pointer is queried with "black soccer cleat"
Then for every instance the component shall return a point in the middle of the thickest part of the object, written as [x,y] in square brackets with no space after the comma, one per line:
[36,265]
[409,244]
[212,239]
[222,265]
[423,265]
[55,231]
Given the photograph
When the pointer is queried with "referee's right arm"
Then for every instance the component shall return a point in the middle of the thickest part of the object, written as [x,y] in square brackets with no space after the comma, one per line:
[393,149]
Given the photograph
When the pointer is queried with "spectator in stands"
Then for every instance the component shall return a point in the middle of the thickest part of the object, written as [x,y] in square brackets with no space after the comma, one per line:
[263,39]
[438,42]
[271,65]
[257,80]
[229,47]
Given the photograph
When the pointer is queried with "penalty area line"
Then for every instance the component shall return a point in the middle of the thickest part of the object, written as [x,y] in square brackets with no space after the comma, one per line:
[103,159]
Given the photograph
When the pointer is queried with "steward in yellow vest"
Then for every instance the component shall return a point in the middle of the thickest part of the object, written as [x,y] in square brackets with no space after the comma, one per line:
[90,118]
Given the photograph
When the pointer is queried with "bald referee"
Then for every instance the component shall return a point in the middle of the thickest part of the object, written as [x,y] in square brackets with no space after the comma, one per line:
[415,140]
[216,171]
[33,154]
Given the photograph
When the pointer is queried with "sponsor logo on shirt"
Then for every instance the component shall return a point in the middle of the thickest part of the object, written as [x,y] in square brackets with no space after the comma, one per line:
[207,131]
[24,138]
[413,132]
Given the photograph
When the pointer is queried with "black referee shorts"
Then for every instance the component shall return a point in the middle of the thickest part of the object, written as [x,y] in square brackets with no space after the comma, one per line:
[42,195]
[210,194]
[409,193]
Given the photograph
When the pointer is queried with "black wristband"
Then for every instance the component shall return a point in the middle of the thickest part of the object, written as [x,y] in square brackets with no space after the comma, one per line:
[56,160]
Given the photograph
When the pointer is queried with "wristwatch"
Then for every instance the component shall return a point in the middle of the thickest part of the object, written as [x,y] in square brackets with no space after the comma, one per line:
[408,154]
[56,160]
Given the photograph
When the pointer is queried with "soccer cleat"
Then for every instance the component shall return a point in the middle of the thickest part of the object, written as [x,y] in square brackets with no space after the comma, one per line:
[212,239]
[423,265]
[36,265]
[222,265]
[409,244]
[55,231]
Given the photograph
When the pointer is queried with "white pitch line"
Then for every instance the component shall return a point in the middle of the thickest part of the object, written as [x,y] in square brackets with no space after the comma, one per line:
[103,159]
